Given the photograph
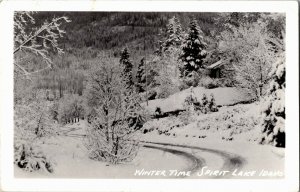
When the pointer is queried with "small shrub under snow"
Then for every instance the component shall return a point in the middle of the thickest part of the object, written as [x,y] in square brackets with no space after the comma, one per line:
[162,125]
[206,105]
[30,158]
[228,123]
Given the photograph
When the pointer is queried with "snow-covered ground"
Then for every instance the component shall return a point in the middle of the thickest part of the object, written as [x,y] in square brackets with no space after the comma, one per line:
[205,144]
[234,129]
[71,159]
[257,157]
[223,96]
[239,122]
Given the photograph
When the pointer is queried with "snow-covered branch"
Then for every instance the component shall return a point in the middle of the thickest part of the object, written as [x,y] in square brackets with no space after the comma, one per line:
[117,114]
[38,41]
[253,50]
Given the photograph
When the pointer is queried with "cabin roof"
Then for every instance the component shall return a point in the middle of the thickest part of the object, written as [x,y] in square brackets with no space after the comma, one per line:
[216,64]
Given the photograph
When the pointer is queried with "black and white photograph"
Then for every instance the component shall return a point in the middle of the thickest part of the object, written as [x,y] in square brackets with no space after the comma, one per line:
[184,95]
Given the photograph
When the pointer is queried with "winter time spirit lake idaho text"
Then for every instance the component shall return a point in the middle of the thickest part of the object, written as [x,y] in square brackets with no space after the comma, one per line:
[206,172]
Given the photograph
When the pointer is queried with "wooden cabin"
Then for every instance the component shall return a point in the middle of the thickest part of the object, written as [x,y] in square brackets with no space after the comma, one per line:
[220,69]
[215,70]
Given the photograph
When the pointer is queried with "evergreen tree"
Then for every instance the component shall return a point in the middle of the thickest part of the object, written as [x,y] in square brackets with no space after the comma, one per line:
[126,66]
[193,50]
[174,34]
[141,76]
[273,127]
[212,104]
[204,104]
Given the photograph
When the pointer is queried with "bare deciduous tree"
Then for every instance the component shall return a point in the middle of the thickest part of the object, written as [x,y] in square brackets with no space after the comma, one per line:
[111,136]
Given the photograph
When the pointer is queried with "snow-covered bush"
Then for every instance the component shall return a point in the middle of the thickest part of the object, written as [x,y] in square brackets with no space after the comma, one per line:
[111,135]
[208,82]
[208,105]
[186,117]
[192,104]
[204,104]
[212,104]
[31,158]
[191,79]
[167,79]
[33,120]
[253,49]
[163,124]
[238,119]
[157,112]
[166,86]
[273,113]
[193,107]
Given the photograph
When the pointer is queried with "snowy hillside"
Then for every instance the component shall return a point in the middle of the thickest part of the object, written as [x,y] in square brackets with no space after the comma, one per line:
[223,96]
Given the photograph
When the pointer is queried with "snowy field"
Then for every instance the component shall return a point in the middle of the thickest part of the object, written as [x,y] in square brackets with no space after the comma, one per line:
[213,139]
[222,95]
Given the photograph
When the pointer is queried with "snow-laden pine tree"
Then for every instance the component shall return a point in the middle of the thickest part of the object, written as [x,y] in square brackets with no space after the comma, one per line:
[141,76]
[111,134]
[174,35]
[168,71]
[126,67]
[273,112]
[193,50]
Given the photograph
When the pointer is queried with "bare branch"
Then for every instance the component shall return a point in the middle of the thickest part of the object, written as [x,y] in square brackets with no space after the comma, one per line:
[28,40]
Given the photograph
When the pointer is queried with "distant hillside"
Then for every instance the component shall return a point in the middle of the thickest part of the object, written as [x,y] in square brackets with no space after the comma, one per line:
[115,30]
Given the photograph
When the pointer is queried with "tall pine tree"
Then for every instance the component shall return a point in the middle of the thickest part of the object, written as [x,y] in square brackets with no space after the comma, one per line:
[174,34]
[193,50]
[273,113]
[126,66]
[141,77]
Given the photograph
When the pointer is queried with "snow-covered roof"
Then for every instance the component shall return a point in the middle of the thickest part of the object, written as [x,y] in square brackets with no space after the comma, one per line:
[216,64]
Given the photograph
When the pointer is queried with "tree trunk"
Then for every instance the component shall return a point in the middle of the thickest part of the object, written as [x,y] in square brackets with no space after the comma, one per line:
[116,146]
[261,82]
